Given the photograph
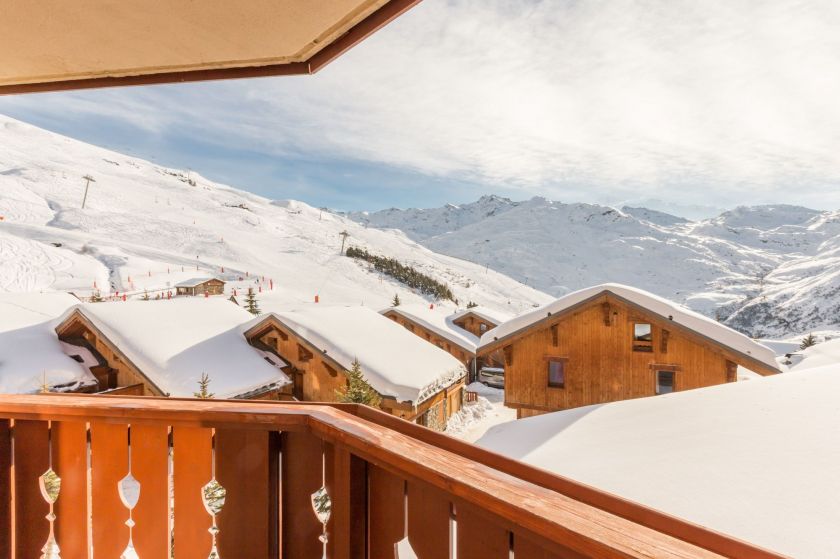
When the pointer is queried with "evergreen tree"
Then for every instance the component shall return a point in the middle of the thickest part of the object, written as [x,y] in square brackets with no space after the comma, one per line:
[251,304]
[358,391]
[396,302]
[808,341]
[472,304]
[203,388]
[95,297]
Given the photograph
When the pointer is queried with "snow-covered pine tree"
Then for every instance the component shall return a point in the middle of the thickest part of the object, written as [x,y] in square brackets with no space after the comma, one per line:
[251,304]
[472,304]
[808,341]
[203,388]
[358,391]
[396,302]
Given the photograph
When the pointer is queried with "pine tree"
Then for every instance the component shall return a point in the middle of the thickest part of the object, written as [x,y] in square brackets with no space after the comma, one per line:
[472,304]
[358,391]
[396,302]
[251,304]
[808,341]
[95,297]
[203,388]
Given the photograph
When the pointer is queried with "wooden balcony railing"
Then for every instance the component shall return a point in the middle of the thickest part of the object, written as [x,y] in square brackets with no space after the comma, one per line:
[247,478]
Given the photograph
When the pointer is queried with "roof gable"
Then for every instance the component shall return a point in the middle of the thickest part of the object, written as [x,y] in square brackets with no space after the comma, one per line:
[678,316]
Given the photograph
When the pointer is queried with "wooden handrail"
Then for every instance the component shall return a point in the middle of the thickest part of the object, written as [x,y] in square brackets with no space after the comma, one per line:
[662,522]
[468,475]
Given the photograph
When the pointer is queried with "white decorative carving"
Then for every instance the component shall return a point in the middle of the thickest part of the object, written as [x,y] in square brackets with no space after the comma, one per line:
[403,550]
[50,485]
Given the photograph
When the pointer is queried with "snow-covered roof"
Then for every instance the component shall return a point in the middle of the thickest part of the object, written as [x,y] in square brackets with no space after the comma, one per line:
[438,321]
[757,460]
[394,361]
[824,354]
[490,315]
[687,318]
[29,347]
[174,342]
[193,282]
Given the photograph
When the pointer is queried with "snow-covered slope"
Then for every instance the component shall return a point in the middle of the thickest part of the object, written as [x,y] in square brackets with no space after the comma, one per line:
[145,227]
[764,270]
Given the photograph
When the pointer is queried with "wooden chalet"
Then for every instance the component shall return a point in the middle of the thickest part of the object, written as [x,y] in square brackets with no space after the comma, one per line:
[478,320]
[434,326]
[416,381]
[200,286]
[613,342]
[162,348]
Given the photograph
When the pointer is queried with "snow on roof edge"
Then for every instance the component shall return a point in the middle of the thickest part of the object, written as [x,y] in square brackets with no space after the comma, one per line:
[390,387]
[461,338]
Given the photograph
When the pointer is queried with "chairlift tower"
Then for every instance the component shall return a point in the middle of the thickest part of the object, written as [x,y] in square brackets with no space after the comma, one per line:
[88,179]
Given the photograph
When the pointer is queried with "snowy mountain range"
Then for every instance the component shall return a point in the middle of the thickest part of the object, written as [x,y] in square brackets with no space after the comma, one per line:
[145,227]
[765,270]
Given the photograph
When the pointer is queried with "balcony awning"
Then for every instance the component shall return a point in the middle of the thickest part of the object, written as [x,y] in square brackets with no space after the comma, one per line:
[52,46]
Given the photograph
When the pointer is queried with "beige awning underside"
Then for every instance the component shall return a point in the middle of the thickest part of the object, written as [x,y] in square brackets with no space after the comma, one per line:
[67,44]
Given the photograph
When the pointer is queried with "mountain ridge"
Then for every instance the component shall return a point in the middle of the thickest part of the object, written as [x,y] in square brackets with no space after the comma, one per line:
[767,270]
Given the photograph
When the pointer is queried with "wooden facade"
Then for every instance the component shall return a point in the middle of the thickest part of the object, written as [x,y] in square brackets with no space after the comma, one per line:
[117,373]
[605,349]
[211,286]
[474,323]
[316,377]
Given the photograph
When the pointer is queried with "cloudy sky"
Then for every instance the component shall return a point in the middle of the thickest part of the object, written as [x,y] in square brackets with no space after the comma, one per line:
[678,104]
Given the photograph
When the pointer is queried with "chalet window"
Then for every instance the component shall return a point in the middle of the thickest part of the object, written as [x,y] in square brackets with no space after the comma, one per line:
[642,337]
[557,373]
[665,382]
[303,353]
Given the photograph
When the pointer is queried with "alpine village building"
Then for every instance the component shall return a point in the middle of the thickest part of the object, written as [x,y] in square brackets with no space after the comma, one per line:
[200,286]
[163,348]
[457,334]
[611,342]
[415,380]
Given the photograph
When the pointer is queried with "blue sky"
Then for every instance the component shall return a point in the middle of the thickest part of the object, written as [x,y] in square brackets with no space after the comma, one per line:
[681,105]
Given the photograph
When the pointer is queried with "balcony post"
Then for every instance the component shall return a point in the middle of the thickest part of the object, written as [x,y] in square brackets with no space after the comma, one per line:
[347,485]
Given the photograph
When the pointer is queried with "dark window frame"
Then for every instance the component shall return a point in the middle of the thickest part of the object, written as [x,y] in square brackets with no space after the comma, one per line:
[640,344]
[550,360]
[656,384]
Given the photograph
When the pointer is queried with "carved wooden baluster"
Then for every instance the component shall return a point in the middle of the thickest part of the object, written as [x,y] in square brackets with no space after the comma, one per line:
[129,491]
[50,485]
[403,549]
[213,495]
[322,506]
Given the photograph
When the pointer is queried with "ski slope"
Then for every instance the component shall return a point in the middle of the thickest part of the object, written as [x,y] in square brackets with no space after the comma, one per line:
[144,228]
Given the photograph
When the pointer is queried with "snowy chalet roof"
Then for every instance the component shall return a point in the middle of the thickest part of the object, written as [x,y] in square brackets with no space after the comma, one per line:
[666,309]
[193,282]
[756,460]
[490,315]
[29,347]
[438,321]
[395,362]
[174,342]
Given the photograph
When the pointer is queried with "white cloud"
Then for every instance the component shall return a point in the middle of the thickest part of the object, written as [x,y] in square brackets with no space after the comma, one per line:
[720,100]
